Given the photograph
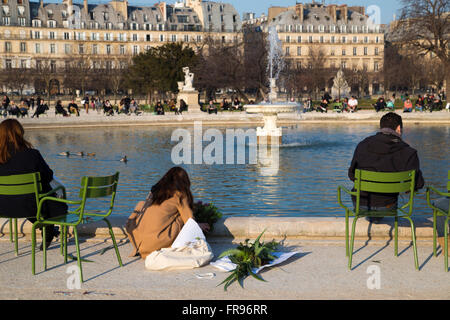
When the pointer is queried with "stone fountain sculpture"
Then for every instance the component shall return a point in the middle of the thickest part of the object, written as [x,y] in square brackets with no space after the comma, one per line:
[187,92]
[272,108]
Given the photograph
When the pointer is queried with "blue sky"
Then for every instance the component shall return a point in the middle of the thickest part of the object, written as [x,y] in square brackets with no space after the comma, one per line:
[388,7]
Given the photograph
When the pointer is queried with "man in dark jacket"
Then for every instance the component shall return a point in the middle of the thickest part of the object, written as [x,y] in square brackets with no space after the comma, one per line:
[385,152]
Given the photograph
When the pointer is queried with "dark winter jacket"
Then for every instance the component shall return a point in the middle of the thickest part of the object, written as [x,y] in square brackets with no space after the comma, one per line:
[28,161]
[384,153]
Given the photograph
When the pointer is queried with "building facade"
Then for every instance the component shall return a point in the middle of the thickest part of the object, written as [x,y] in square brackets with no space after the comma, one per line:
[345,36]
[105,35]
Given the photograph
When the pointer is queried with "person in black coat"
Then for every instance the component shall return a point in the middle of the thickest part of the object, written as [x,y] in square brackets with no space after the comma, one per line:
[385,152]
[17,156]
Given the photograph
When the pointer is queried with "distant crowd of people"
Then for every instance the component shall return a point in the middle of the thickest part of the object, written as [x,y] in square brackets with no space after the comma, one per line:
[429,102]
[344,105]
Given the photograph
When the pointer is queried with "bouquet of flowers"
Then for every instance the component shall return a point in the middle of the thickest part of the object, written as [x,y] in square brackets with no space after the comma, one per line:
[206,213]
[248,256]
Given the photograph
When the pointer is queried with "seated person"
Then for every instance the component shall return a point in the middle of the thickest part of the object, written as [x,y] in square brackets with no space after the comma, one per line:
[437,104]
[73,108]
[60,110]
[237,104]
[17,156]
[385,152]
[337,105]
[224,105]
[41,108]
[23,109]
[156,223]
[308,105]
[159,109]
[13,109]
[134,108]
[172,105]
[419,103]
[212,107]
[390,105]
[183,106]
[345,106]
[323,107]
[353,104]
[108,108]
[380,104]
[407,106]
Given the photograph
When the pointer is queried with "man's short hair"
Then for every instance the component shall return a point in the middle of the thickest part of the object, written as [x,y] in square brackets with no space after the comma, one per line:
[391,120]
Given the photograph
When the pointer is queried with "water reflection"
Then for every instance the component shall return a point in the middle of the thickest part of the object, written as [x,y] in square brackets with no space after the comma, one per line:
[313,160]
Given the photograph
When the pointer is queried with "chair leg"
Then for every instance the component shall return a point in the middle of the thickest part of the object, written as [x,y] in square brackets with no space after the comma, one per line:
[75,232]
[11,229]
[396,237]
[65,243]
[352,241]
[346,233]
[446,244]
[33,248]
[16,238]
[434,233]
[413,235]
[114,242]
[44,247]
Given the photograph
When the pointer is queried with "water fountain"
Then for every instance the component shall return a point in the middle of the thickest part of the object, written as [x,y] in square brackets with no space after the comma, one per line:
[270,132]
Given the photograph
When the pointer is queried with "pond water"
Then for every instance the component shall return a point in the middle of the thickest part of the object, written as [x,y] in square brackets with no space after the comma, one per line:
[313,160]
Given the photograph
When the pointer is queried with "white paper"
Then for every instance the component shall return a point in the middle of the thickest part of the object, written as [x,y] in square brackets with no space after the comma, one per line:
[225,264]
[54,184]
[189,233]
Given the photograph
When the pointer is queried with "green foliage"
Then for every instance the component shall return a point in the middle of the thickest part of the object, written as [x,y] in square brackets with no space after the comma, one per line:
[159,68]
[206,213]
[248,256]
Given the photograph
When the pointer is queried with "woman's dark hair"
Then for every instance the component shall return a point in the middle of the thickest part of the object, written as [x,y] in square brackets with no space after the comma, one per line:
[175,180]
[11,139]
[391,120]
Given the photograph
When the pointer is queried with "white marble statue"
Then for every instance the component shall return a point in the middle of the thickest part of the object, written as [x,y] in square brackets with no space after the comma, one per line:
[188,80]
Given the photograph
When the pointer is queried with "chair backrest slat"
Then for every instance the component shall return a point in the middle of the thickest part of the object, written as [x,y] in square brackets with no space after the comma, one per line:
[385,187]
[100,192]
[20,184]
[386,176]
[384,182]
[14,190]
[100,181]
[98,187]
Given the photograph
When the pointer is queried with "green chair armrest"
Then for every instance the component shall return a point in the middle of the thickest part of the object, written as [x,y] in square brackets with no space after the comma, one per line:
[346,191]
[41,201]
[428,192]
[53,191]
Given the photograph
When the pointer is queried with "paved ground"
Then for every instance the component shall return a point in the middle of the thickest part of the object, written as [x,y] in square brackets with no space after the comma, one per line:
[318,272]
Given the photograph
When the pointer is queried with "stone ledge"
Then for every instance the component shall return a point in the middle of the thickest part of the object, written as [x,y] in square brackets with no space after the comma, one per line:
[276,227]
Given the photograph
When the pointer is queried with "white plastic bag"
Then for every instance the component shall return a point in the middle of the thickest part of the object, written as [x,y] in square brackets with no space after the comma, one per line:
[189,250]
[194,255]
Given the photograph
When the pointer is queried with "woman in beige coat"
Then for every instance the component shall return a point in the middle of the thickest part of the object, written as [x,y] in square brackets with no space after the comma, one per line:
[156,222]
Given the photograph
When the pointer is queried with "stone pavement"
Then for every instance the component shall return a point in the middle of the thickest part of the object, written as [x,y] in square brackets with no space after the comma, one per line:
[318,272]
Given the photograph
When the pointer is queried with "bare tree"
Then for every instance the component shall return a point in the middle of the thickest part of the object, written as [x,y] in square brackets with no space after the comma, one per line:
[425,25]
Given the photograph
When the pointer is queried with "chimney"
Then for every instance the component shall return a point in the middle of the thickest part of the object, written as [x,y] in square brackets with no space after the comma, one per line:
[344,13]
[300,11]
[85,7]
[332,12]
[41,3]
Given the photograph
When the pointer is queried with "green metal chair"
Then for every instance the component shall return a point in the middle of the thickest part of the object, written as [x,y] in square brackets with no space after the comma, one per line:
[379,182]
[91,188]
[22,184]
[440,212]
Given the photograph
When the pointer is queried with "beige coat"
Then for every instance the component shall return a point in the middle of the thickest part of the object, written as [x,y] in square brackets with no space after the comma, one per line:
[158,226]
